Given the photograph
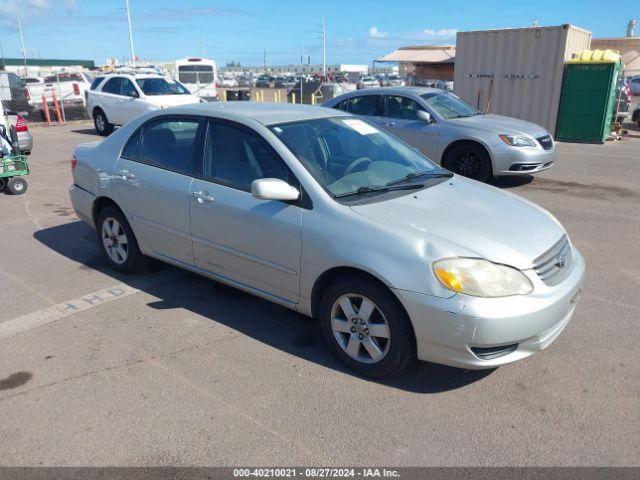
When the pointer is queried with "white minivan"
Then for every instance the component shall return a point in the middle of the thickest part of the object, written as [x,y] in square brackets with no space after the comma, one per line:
[115,99]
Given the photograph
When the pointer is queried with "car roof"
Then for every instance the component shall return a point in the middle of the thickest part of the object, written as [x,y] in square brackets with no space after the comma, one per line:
[132,75]
[392,91]
[265,113]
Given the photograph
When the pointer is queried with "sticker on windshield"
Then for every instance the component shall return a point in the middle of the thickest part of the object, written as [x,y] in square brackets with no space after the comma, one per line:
[361,127]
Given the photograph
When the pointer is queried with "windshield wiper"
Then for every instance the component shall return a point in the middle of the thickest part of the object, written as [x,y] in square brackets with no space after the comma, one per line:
[385,188]
[411,175]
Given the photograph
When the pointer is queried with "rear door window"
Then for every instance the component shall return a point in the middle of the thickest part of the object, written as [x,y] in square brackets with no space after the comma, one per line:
[364,105]
[168,143]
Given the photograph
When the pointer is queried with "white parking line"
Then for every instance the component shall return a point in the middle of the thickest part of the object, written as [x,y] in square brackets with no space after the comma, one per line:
[32,320]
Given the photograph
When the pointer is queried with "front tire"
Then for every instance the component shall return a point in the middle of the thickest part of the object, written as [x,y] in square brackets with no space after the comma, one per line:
[17,185]
[366,327]
[469,160]
[117,241]
[103,127]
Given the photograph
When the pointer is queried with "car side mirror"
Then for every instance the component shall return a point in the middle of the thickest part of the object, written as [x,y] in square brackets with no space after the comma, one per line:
[273,189]
[133,94]
[424,116]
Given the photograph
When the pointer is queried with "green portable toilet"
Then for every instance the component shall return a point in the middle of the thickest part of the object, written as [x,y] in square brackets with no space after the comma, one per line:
[588,97]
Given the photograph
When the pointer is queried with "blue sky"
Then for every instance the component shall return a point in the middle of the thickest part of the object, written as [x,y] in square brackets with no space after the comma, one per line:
[357,31]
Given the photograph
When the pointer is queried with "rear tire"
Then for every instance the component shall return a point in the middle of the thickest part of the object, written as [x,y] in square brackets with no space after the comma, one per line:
[353,336]
[117,241]
[17,185]
[103,127]
[469,160]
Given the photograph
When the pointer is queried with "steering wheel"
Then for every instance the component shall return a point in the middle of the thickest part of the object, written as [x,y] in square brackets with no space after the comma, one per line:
[356,163]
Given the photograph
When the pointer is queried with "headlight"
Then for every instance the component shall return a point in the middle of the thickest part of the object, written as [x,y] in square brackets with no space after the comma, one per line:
[481,278]
[517,140]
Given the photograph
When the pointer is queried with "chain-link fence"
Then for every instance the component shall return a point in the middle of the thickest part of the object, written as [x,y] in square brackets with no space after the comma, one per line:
[56,98]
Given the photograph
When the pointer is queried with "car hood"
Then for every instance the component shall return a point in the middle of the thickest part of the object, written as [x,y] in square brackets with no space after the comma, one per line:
[172,100]
[500,124]
[463,217]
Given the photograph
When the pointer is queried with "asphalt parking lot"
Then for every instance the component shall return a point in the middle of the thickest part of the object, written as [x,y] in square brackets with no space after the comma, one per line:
[166,368]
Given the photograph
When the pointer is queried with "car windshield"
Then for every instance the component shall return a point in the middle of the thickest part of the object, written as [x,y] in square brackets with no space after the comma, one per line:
[161,86]
[347,155]
[448,105]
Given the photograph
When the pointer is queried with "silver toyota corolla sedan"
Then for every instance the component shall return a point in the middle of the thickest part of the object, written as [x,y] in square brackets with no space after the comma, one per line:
[452,132]
[322,212]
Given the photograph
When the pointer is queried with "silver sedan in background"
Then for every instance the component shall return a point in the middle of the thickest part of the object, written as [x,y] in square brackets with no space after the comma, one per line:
[324,213]
[453,133]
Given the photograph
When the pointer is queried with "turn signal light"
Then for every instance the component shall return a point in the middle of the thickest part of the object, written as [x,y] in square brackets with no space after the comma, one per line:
[449,279]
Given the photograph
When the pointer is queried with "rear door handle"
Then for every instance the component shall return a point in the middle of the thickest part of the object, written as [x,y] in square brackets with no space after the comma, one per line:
[126,174]
[202,196]
[388,124]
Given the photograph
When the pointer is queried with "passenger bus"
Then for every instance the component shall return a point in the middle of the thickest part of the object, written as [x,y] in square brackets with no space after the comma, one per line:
[199,76]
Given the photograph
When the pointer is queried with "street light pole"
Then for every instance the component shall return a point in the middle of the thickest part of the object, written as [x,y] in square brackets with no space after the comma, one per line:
[24,51]
[133,56]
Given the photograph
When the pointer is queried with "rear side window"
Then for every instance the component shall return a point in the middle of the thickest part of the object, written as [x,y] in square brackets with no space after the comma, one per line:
[169,144]
[365,105]
[132,147]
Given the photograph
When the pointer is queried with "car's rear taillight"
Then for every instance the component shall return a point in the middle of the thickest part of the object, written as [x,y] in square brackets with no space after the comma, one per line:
[21,125]
[74,162]
[76,89]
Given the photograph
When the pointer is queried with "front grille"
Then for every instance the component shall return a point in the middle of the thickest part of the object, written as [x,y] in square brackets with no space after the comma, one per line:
[494,352]
[546,142]
[553,265]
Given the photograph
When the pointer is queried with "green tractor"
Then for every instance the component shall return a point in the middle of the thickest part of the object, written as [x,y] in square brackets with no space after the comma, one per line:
[13,165]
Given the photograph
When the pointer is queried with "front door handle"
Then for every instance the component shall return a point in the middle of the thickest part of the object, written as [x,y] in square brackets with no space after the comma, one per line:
[202,196]
[126,174]
[388,124]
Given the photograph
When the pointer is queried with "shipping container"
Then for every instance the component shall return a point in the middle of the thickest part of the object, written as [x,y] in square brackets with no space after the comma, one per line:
[517,72]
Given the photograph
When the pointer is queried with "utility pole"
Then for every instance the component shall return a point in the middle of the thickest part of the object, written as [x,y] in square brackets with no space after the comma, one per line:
[324,48]
[133,55]
[24,51]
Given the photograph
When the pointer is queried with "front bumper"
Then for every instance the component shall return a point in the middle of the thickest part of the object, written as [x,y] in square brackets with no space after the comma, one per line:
[447,329]
[509,160]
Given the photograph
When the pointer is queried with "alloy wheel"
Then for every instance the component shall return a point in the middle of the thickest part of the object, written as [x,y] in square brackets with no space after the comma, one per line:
[360,328]
[100,122]
[114,239]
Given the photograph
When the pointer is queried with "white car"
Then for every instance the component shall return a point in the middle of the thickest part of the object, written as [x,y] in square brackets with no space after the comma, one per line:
[116,99]
[228,82]
[395,81]
[368,82]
